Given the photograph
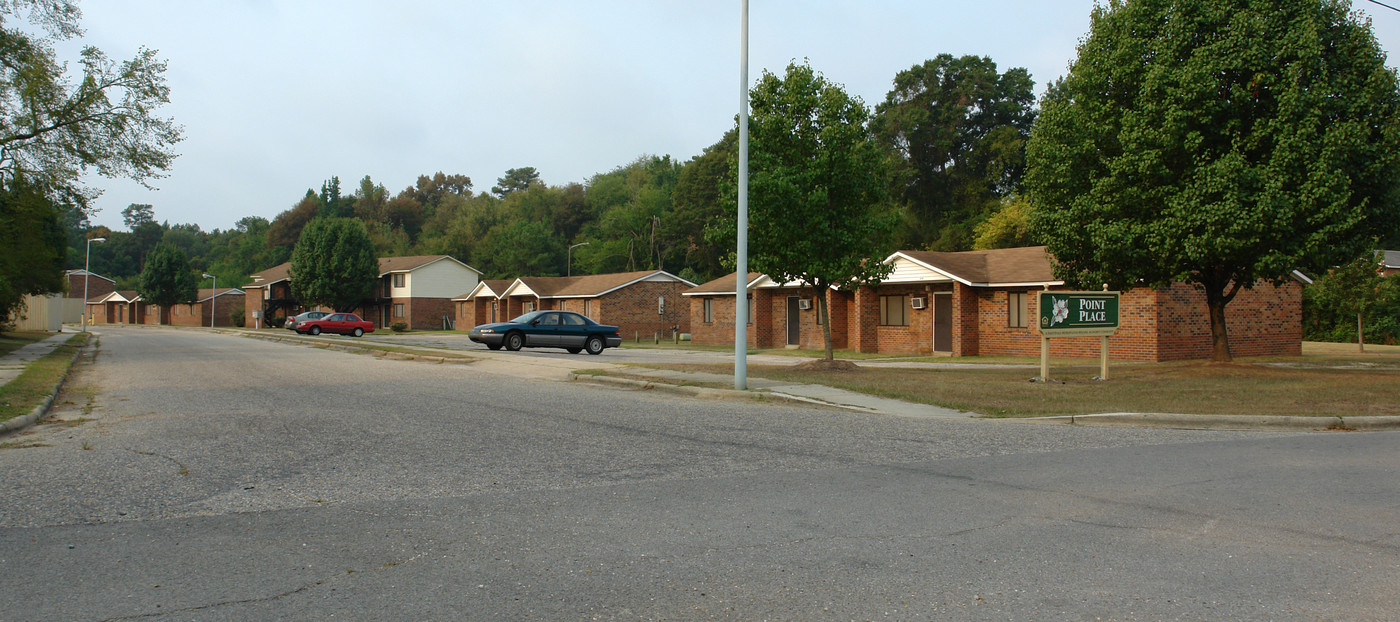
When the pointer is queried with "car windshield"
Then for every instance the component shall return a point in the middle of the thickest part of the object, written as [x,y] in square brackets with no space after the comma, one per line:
[527,318]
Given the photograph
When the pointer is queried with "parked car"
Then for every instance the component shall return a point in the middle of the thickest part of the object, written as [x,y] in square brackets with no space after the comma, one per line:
[548,329]
[343,323]
[294,321]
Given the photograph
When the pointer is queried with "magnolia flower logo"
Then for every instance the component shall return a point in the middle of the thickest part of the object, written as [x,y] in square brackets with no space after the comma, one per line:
[1059,310]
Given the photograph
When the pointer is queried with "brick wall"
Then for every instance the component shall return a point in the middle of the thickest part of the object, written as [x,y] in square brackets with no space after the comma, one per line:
[425,313]
[634,310]
[96,287]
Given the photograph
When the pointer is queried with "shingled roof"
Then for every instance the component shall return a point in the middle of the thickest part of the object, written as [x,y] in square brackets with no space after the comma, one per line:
[721,286]
[1006,266]
[275,274]
[587,286]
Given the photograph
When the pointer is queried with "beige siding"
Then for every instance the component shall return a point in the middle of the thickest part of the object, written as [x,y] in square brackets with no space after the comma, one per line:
[441,279]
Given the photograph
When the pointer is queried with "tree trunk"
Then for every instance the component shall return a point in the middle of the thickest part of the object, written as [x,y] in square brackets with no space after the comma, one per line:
[824,317]
[1216,299]
[1360,334]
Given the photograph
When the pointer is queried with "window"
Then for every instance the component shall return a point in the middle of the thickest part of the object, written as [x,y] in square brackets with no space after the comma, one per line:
[398,309]
[661,305]
[399,279]
[529,307]
[1016,310]
[588,307]
[750,306]
[573,320]
[709,304]
[550,319]
[894,310]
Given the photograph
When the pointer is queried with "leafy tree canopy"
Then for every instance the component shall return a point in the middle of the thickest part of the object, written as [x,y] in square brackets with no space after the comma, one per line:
[817,200]
[54,129]
[167,279]
[334,264]
[34,247]
[957,131]
[515,180]
[1216,142]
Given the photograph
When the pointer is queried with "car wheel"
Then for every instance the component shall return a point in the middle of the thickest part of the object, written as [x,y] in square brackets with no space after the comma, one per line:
[574,350]
[315,330]
[594,345]
[359,332]
[493,346]
[515,341]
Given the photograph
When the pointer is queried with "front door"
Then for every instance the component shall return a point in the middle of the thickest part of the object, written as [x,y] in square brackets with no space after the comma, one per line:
[794,321]
[943,322]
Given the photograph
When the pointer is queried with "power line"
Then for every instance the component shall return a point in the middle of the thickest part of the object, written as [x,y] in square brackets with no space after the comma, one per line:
[1384,5]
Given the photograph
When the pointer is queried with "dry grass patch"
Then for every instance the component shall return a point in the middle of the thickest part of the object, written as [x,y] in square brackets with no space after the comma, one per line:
[1193,388]
[11,341]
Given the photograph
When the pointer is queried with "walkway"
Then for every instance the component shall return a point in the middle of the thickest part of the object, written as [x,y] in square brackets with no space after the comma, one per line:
[14,363]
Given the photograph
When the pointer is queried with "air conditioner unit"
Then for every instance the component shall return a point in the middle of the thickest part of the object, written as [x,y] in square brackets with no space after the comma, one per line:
[804,304]
[917,303]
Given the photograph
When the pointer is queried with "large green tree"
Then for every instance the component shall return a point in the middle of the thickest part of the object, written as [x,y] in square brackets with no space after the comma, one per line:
[167,279]
[334,264]
[53,129]
[817,187]
[1218,142]
[33,247]
[956,129]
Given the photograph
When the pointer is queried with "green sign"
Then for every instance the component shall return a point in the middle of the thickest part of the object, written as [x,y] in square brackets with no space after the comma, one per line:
[1078,314]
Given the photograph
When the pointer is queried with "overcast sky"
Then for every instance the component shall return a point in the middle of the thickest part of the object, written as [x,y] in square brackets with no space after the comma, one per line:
[278,96]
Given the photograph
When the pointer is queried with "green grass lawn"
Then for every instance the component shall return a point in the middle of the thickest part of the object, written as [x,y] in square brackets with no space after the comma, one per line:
[20,396]
[1328,380]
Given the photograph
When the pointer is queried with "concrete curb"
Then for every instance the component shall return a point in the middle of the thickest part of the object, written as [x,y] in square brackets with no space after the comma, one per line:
[704,392]
[24,421]
[1226,422]
[353,349]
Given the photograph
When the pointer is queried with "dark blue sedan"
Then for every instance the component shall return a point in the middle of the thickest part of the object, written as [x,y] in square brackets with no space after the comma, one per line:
[548,329]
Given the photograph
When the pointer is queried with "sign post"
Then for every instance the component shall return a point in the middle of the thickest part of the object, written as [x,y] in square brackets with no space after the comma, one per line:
[1076,314]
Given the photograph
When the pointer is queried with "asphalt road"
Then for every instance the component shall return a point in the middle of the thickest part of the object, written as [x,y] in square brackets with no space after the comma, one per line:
[195,476]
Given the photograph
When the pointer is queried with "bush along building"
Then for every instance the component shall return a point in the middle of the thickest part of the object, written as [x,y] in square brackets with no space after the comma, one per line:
[983,303]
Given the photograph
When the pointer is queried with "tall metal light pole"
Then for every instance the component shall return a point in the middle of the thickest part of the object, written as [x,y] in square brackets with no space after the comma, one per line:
[213,298]
[741,275]
[569,271]
[87,263]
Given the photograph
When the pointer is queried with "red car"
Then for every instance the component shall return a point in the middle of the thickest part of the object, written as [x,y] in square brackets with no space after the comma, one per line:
[343,323]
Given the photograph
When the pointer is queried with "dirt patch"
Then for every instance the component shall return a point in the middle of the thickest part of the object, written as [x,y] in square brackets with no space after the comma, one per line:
[825,365]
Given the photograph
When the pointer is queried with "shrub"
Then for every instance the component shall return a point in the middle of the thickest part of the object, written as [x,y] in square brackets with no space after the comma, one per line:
[398,327]
[236,318]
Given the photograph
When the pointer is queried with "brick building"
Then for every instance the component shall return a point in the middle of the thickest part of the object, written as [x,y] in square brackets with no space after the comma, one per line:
[638,303]
[126,307]
[415,290]
[981,303]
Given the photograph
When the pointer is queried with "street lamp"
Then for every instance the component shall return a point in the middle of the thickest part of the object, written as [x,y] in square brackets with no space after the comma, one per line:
[87,263]
[569,271]
[213,297]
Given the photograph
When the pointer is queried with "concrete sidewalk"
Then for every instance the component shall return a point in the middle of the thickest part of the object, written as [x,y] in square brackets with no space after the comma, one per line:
[14,363]
[809,393]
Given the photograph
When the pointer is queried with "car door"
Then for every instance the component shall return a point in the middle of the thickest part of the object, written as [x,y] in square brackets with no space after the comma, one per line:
[573,330]
[545,330]
[333,323]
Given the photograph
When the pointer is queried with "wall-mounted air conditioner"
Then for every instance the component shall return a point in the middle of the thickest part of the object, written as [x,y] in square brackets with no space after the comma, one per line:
[804,304]
[917,303]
